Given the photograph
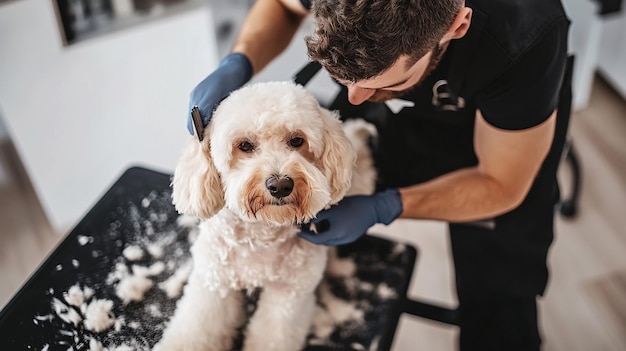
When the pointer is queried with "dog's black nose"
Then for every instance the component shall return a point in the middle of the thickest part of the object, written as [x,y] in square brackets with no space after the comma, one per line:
[279,186]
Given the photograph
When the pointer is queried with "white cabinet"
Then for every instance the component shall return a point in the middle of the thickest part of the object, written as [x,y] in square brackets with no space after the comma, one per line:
[599,43]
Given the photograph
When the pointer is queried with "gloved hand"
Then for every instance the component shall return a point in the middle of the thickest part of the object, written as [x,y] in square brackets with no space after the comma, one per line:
[353,216]
[234,71]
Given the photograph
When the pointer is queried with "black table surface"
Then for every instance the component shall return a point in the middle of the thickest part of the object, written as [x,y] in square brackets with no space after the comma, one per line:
[137,211]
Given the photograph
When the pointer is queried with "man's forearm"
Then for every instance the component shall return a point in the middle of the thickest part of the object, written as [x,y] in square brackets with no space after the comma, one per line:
[460,196]
[267,31]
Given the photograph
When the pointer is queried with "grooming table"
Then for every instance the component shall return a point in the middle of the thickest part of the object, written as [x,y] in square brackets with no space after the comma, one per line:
[137,212]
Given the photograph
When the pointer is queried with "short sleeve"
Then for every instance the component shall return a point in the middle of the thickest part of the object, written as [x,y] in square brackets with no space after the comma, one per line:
[526,94]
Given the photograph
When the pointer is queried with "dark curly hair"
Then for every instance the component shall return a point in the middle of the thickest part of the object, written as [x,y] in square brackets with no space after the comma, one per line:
[359,39]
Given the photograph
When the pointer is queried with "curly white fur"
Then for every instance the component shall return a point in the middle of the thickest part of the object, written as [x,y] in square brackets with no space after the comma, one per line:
[247,238]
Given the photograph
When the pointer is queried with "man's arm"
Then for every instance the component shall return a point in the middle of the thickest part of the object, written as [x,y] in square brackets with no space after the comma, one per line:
[268,30]
[508,164]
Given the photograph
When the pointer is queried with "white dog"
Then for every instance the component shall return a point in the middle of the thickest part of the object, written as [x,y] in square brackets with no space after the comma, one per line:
[271,158]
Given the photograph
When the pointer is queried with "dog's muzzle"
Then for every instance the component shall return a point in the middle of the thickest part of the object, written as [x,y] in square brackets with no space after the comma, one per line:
[278,186]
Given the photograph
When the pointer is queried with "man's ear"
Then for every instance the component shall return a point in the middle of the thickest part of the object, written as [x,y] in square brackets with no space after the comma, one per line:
[460,26]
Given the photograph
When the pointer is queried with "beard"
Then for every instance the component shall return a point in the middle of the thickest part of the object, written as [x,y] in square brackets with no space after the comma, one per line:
[435,58]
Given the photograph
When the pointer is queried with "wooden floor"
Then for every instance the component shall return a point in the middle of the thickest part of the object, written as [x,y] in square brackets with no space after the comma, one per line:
[585,304]
[26,237]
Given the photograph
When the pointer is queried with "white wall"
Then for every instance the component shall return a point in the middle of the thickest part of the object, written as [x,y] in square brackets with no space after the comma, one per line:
[3,131]
[612,56]
[4,177]
[80,115]
[584,40]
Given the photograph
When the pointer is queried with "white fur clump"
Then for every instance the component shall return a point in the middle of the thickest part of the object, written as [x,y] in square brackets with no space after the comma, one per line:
[84,240]
[74,296]
[334,312]
[133,253]
[365,286]
[96,316]
[340,267]
[119,323]
[38,318]
[385,292]
[155,250]
[339,309]
[155,269]
[173,286]
[66,313]
[186,221]
[87,293]
[191,223]
[99,316]
[154,310]
[133,288]
[145,203]
[95,345]
[323,326]
[149,229]
[120,271]
[247,239]
[398,249]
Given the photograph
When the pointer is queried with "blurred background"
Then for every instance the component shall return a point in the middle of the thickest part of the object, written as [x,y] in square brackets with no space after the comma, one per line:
[89,88]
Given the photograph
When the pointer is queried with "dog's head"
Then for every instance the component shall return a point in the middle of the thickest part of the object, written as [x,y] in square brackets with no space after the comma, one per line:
[270,153]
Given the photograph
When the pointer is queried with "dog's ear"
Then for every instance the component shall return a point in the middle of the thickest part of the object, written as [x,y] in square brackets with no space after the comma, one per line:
[338,158]
[196,185]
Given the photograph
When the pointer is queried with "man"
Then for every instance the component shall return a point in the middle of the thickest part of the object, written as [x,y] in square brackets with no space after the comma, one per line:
[474,141]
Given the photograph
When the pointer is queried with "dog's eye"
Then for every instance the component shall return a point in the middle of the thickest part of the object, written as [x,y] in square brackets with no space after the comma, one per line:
[296,142]
[246,146]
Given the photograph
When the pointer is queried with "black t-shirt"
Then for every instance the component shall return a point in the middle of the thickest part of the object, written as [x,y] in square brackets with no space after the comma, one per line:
[509,66]
[510,63]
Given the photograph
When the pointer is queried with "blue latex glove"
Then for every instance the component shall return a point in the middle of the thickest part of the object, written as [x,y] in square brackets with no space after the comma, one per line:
[353,216]
[233,72]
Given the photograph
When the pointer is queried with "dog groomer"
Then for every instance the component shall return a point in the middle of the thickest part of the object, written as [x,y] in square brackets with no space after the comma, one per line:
[464,95]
